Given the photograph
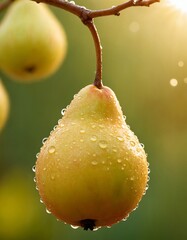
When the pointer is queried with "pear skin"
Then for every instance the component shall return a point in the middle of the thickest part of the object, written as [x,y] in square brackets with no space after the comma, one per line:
[4,105]
[32,42]
[92,171]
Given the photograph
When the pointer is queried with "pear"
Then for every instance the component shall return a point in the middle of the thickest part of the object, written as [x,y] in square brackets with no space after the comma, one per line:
[92,171]
[18,221]
[4,105]
[32,42]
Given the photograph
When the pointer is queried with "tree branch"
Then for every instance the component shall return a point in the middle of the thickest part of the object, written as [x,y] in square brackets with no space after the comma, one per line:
[88,13]
[5,4]
[115,10]
[66,5]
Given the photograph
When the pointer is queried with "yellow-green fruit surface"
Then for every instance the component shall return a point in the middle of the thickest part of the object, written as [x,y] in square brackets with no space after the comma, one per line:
[92,171]
[4,105]
[32,42]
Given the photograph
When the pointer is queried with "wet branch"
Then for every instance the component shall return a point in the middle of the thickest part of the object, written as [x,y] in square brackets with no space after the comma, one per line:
[115,10]
[79,11]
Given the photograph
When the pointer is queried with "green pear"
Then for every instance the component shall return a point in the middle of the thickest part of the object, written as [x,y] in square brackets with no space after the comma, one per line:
[19,209]
[32,42]
[92,171]
[4,105]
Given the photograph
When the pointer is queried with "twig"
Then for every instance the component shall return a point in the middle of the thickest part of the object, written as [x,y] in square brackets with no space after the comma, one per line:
[115,10]
[5,4]
[78,10]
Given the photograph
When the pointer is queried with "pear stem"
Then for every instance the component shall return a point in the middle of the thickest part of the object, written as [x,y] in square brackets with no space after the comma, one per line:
[98,48]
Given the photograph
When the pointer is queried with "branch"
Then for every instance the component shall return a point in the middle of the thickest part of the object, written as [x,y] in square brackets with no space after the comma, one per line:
[115,10]
[66,5]
[86,13]
[5,4]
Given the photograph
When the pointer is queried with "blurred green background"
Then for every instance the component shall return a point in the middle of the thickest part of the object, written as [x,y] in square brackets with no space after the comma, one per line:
[143,50]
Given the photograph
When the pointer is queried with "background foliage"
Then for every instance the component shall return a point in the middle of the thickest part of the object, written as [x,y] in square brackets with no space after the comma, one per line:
[143,50]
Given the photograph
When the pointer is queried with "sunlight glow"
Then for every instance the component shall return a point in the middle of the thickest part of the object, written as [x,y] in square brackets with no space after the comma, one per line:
[179,4]
[173,82]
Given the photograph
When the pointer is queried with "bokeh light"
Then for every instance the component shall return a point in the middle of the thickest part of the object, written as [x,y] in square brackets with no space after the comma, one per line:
[181,5]
[173,82]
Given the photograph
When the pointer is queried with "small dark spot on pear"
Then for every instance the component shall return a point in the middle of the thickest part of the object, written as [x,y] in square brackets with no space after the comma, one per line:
[30,69]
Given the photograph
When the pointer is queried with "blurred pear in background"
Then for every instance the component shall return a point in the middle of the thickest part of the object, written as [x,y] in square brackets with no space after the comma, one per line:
[20,213]
[34,48]
[4,105]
